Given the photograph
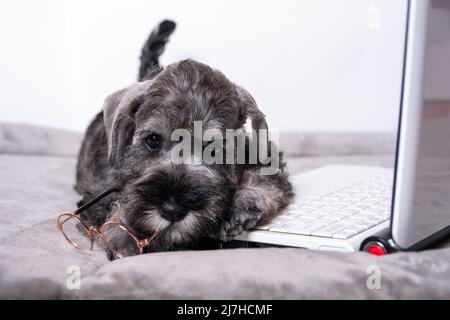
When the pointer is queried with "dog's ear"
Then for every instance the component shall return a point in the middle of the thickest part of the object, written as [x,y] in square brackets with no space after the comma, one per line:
[251,110]
[259,125]
[119,109]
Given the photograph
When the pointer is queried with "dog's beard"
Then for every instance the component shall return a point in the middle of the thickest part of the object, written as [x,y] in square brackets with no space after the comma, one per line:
[182,234]
[177,232]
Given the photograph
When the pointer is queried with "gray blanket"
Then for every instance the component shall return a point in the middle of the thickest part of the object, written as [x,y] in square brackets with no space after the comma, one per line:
[37,174]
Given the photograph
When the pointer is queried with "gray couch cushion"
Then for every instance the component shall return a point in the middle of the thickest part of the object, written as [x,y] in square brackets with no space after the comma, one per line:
[18,138]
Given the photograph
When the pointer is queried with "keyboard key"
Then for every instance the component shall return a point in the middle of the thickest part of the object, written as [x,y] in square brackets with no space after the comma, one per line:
[375,210]
[314,213]
[348,211]
[367,224]
[299,215]
[295,214]
[329,230]
[364,214]
[298,228]
[359,206]
[369,203]
[305,209]
[339,195]
[337,215]
[371,217]
[345,233]
[288,220]
[351,221]
[338,205]
[318,203]
[326,209]
[326,220]
[309,198]
[349,201]
[359,196]
[329,199]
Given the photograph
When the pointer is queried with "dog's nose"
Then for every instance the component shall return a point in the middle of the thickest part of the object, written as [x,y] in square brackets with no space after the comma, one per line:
[172,210]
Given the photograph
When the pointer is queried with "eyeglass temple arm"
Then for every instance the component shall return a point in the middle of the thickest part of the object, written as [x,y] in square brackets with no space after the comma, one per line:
[91,202]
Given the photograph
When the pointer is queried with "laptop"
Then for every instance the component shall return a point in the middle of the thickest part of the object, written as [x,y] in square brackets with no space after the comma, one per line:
[381,210]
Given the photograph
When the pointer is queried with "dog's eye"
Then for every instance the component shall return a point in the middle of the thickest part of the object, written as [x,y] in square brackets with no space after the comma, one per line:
[153,141]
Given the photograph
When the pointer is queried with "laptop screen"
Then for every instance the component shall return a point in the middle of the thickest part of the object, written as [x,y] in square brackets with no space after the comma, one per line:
[423,177]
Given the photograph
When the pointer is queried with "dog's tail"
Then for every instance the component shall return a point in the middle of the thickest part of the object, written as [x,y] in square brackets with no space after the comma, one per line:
[154,47]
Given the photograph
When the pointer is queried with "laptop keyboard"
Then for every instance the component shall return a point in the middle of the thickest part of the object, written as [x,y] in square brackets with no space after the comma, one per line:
[341,214]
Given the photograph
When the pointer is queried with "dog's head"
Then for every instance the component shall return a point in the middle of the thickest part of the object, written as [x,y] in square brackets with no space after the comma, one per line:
[186,201]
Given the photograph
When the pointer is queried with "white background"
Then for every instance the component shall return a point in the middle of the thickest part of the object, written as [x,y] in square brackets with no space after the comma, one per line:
[312,65]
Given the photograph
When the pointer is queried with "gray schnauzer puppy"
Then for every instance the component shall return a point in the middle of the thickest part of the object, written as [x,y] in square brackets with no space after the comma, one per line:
[129,145]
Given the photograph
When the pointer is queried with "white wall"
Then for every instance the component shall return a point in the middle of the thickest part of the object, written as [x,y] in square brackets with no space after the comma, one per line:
[316,65]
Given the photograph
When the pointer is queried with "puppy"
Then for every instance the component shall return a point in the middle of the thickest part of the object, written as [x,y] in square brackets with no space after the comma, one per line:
[129,145]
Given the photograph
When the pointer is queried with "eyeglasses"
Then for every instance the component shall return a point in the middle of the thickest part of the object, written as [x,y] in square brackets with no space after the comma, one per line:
[82,237]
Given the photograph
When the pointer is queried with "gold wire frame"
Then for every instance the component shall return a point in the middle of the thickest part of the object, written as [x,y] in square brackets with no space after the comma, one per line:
[90,231]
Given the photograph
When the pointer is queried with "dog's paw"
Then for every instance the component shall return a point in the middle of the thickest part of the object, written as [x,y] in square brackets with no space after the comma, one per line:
[118,244]
[249,206]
